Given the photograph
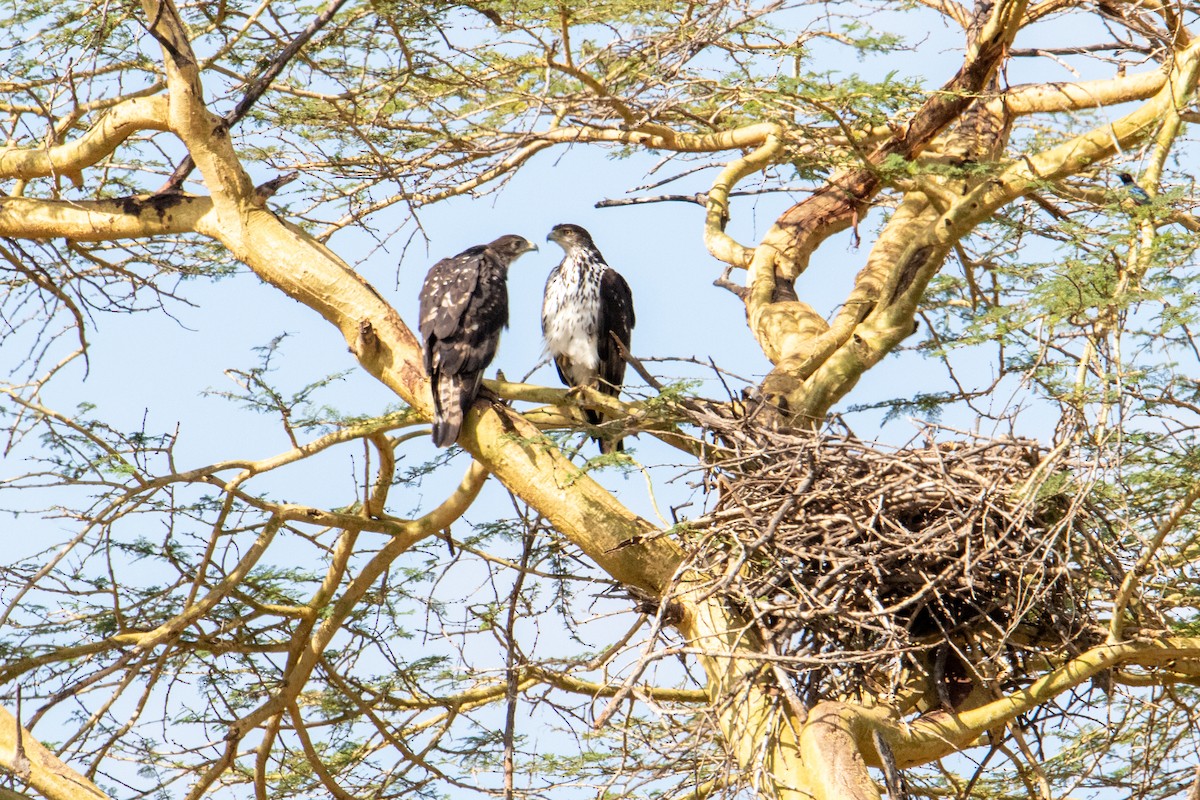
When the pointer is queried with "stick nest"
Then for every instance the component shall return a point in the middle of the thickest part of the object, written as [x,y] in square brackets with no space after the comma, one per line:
[857,562]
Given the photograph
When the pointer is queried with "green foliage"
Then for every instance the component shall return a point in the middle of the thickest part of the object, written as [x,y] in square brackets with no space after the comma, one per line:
[296,411]
[925,406]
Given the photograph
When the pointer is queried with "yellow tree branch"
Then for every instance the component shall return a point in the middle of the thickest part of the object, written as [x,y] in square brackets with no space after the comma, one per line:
[106,135]
[1043,98]
[102,220]
[791,333]
[846,196]
[922,251]
[834,758]
[205,134]
[747,136]
[306,653]
[196,609]
[23,757]
[939,734]
[838,742]
[720,244]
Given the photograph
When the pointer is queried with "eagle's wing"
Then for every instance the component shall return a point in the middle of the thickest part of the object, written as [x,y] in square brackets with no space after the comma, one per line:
[616,317]
[445,296]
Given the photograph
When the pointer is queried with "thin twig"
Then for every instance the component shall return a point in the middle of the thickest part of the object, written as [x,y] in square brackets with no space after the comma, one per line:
[637,365]
[257,88]
[699,198]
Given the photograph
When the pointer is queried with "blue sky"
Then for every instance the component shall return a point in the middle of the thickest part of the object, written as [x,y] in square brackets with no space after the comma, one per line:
[151,367]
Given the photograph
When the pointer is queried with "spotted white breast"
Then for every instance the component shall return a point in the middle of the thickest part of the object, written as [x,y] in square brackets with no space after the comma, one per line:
[571,316]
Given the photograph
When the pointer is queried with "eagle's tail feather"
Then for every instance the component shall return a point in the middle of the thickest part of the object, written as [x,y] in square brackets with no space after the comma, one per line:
[606,445]
[595,418]
[449,404]
[445,432]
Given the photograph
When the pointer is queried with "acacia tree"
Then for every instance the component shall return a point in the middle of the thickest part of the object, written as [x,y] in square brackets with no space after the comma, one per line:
[255,642]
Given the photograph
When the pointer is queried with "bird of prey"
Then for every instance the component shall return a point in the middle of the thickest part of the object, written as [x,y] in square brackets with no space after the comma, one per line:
[585,304]
[1139,195]
[464,305]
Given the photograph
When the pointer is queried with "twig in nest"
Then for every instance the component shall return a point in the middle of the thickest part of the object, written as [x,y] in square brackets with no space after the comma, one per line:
[873,558]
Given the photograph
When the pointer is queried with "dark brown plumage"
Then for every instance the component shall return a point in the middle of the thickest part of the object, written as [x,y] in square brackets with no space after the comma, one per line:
[464,306]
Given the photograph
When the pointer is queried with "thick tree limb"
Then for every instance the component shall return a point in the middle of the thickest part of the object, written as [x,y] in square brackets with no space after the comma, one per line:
[941,733]
[792,334]
[102,220]
[720,244]
[24,757]
[833,208]
[203,133]
[1045,98]
[880,311]
[833,757]
[837,743]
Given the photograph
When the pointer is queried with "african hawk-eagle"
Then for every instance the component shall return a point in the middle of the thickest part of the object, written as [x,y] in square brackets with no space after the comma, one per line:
[464,305]
[585,304]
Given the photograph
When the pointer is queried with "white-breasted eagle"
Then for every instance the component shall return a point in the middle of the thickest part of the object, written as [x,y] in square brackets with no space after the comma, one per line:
[585,303]
[464,306]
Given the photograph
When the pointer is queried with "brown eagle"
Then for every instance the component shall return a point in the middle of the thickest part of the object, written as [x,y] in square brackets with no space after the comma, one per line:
[464,306]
